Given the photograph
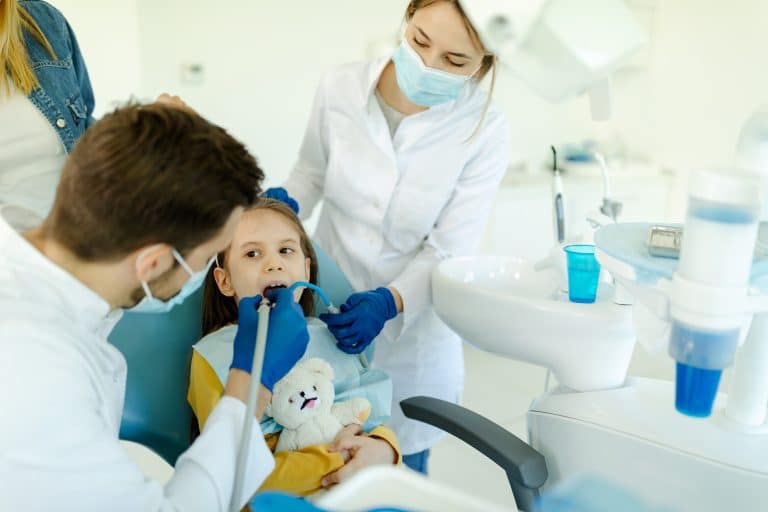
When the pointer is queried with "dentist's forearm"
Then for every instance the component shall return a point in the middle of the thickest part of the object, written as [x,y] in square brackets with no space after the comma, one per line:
[398,298]
[237,387]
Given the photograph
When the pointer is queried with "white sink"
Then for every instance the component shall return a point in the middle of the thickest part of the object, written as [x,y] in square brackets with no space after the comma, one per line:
[502,305]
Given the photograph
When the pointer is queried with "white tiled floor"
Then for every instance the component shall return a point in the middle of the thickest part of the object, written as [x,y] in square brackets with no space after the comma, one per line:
[502,390]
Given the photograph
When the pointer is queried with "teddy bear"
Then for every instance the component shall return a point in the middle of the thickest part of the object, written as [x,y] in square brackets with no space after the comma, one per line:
[302,403]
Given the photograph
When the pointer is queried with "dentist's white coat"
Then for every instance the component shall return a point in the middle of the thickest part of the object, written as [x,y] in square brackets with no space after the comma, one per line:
[394,207]
[62,387]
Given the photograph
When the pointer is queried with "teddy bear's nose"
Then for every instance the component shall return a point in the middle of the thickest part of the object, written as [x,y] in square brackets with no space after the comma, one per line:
[302,394]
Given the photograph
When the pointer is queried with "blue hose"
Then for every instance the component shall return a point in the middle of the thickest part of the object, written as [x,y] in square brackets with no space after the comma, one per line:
[318,290]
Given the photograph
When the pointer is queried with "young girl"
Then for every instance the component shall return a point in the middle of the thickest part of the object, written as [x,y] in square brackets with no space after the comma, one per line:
[271,249]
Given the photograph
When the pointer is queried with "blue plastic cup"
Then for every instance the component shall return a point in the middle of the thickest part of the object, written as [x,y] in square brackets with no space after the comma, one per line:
[583,273]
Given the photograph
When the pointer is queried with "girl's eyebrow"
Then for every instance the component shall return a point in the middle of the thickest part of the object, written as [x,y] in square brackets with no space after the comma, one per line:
[257,243]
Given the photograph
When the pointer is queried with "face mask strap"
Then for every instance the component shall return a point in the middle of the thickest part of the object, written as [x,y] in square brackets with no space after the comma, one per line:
[147,291]
[183,263]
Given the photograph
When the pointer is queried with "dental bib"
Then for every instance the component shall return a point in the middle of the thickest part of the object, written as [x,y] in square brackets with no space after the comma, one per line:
[351,379]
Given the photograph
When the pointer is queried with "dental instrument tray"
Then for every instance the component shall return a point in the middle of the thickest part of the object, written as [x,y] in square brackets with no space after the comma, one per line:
[623,250]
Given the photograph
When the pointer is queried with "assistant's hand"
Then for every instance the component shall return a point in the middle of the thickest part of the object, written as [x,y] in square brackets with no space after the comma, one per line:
[361,319]
[287,337]
[364,451]
[280,194]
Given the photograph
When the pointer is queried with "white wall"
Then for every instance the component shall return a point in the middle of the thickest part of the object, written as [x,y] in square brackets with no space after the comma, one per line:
[262,59]
[108,34]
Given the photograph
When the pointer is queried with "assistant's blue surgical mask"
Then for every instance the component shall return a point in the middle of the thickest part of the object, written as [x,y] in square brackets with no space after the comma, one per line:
[423,85]
[151,304]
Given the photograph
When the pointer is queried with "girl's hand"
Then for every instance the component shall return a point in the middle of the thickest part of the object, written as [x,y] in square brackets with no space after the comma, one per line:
[364,451]
[347,432]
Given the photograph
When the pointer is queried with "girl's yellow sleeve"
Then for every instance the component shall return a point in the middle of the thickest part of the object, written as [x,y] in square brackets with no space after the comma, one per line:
[205,389]
[385,434]
[300,472]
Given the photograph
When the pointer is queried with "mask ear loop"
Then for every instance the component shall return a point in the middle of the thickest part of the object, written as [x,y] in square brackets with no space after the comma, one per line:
[183,263]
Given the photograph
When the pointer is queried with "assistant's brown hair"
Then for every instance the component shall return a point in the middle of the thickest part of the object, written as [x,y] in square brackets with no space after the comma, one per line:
[145,175]
[220,310]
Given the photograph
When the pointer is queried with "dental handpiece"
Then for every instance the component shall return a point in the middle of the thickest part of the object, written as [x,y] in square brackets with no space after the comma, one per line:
[250,405]
[331,309]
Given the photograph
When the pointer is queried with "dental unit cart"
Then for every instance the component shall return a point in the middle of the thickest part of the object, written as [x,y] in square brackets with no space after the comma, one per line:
[682,444]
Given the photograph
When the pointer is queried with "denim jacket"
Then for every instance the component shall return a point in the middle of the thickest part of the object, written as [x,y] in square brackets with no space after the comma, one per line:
[64,94]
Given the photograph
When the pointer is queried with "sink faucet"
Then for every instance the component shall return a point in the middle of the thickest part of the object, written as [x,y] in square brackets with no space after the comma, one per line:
[609,211]
[610,207]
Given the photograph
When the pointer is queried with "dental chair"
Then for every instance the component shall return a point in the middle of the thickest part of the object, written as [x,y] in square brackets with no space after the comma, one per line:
[158,350]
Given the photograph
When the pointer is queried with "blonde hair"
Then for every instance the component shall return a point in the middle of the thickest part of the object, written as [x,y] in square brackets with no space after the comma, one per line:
[489,59]
[13,52]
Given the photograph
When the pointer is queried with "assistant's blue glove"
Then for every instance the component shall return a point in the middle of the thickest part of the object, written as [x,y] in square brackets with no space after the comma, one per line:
[361,319]
[287,336]
[280,194]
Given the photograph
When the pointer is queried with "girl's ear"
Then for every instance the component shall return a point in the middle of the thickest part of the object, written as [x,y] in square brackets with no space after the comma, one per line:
[224,282]
[307,264]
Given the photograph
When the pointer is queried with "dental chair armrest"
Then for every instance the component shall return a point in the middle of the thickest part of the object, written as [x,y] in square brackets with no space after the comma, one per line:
[525,467]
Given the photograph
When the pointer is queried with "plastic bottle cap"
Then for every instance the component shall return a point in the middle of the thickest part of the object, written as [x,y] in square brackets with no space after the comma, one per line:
[695,390]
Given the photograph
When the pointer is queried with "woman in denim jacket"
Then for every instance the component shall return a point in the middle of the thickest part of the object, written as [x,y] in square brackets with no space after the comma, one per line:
[46,101]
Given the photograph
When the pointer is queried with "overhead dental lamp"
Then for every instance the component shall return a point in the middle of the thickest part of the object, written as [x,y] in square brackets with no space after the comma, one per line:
[560,48]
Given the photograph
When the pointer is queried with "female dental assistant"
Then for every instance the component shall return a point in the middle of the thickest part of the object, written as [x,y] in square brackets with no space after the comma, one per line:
[407,153]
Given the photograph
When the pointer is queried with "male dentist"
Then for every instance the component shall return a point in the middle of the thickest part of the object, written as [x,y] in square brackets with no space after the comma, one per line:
[147,197]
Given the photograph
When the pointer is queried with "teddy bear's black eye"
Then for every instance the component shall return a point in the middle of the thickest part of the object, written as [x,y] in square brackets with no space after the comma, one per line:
[290,400]
[314,388]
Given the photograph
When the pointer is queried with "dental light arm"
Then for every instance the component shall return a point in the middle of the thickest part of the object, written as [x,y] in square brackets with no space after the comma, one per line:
[560,48]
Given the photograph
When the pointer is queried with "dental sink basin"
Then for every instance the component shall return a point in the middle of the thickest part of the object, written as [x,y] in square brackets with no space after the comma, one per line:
[504,306]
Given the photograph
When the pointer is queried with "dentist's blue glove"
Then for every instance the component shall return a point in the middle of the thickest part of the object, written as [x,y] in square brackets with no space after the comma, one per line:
[361,319]
[280,194]
[287,336]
